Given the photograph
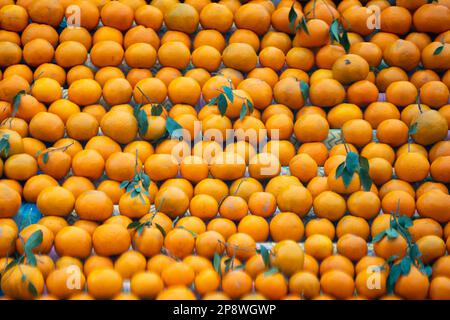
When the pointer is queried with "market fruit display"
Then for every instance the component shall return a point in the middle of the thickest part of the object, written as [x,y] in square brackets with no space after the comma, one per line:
[224,149]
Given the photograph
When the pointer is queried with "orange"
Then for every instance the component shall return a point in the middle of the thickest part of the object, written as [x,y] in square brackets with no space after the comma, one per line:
[89,164]
[272,286]
[429,185]
[371,283]
[338,284]
[167,58]
[295,199]
[55,201]
[253,17]
[378,150]
[311,128]
[329,205]
[350,68]
[317,37]
[38,51]
[88,226]
[352,246]
[376,112]
[73,241]
[326,93]
[432,247]
[337,262]
[414,285]
[130,263]
[182,17]
[362,93]
[432,204]
[439,170]
[318,246]
[357,132]
[320,226]
[342,113]
[421,77]
[20,167]
[431,18]
[179,242]
[430,126]
[239,56]
[149,16]
[146,285]
[236,284]
[149,242]
[439,288]
[286,226]
[25,233]
[35,185]
[110,13]
[255,226]
[434,94]
[393,132]
[88,200]
[412,167]
[14,288]
[288,257]
[54,223]
[439,149]
[106,53]
[353,225]
[104,283]
[398,200]
[103,242]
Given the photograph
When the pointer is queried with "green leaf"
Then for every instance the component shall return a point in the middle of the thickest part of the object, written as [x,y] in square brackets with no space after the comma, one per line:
[4,145]
[365,179]
[172,127]
[222,104]
[250,105]
[304,88]
[142,122]
[391,233]
[347,177]
[33,241]
[428,271]
[394,273]
[134,225]
[405,265]
[292,17]
[229,93]
[216,263]
[340,170]
[334,30]
[379,236]
[161,229]
[363,163]
[16,101]
[45,157]
[10,265]
[352,162]
[439,50]
[157,110]
[124,184]
[243,111]
[265,254]
[345,42]
[405,221]
[212,101]
[271,271]
[228,263]
[303,25]
[412,129]
[391,259]
[32,289]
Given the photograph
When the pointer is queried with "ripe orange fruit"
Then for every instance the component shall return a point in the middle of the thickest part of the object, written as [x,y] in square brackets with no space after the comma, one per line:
[411,167]
[350,68]
[179,242]
[74,242]
[236,284]
[104,283]
[352,246]
[330,205]
[414,285]
[146,285]
[111,239]
[338,284]
[337,262]
[432,204]
[55,201]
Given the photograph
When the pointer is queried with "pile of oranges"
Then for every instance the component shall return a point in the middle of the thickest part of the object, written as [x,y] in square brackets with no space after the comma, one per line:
[182,150]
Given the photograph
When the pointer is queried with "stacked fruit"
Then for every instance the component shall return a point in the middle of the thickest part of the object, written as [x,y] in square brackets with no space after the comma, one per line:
[225,149]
